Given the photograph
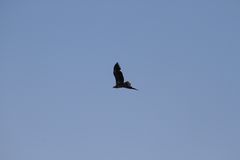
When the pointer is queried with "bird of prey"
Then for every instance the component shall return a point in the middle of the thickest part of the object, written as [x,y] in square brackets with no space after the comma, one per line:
[120,79]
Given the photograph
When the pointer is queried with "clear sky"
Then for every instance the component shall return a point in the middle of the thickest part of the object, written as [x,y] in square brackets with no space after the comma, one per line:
[56,95]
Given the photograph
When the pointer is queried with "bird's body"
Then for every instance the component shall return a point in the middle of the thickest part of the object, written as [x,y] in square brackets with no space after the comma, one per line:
[120,79]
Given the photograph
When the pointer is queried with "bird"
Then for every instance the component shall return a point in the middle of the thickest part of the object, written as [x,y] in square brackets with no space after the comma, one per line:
[120,79]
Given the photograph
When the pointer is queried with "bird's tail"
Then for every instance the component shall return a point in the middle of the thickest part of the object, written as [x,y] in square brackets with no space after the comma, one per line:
[129,86]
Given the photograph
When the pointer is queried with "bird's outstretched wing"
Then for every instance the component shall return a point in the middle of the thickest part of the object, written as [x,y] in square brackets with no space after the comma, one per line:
[118,74]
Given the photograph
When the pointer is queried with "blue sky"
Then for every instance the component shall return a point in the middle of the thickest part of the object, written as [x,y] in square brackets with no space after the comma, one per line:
[57,100]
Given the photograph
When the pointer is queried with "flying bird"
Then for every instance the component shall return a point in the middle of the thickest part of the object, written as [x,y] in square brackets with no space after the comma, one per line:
[120,79]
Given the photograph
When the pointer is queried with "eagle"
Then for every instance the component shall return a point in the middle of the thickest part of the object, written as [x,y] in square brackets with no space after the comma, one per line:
[120,79]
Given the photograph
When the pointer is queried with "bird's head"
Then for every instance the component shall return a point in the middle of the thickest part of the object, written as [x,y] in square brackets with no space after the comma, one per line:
[117,86]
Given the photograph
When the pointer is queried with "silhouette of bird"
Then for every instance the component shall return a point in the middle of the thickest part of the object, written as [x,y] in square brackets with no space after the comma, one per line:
[120,79]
